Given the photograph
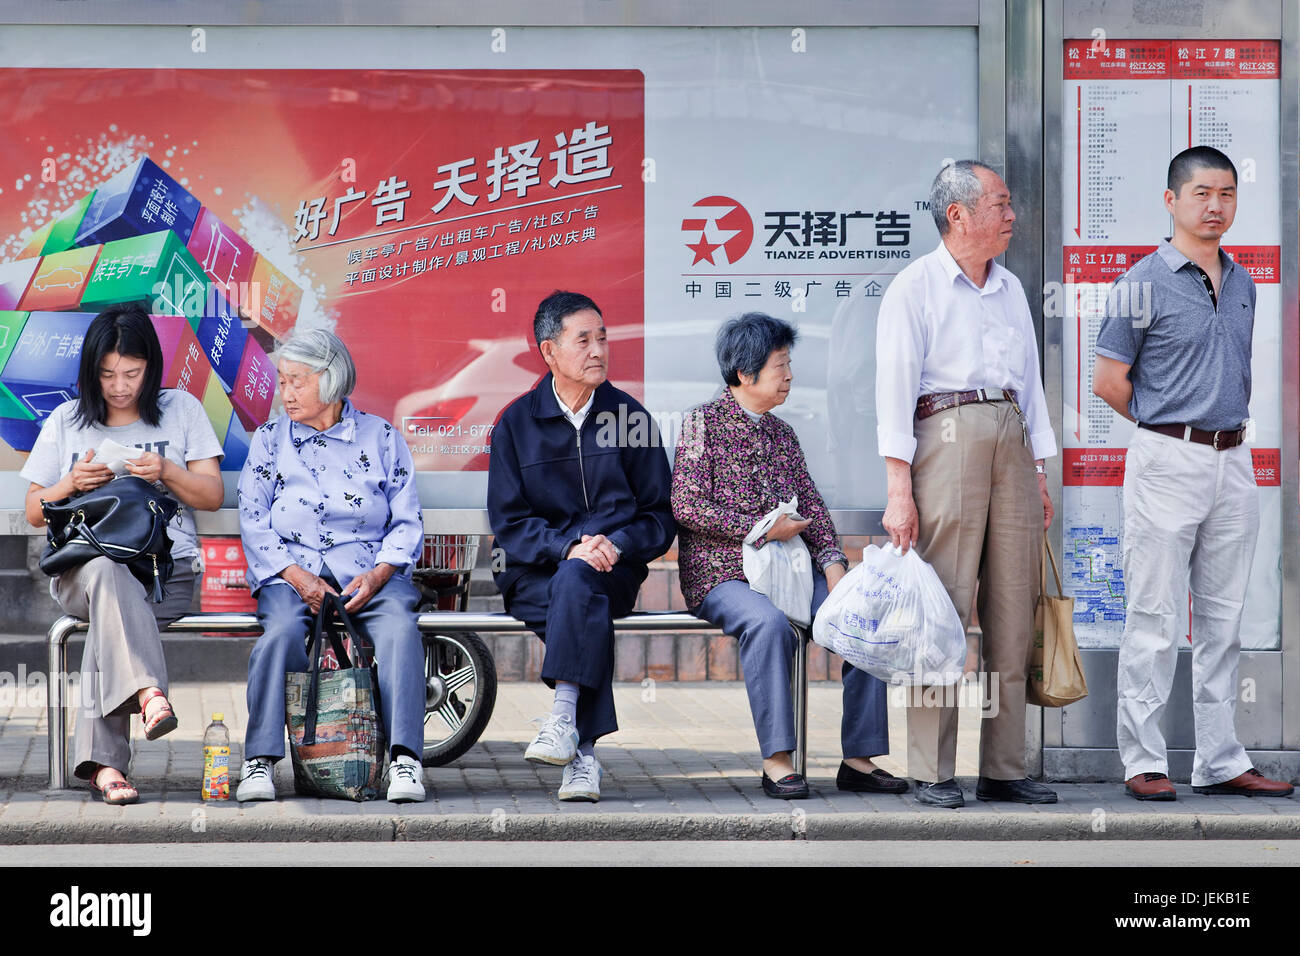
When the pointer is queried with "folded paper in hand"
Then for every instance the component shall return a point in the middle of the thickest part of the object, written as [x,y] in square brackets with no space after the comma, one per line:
[115,455]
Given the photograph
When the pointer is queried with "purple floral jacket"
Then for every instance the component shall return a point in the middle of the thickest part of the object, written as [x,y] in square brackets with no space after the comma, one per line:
[730,471]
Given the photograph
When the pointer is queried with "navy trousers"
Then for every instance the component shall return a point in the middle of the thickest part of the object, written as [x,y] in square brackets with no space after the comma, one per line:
[572,610]
[388,620]
[767,645]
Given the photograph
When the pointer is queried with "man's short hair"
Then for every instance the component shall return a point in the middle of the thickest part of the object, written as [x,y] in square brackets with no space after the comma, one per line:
[745,343]
[548,323]
[958,183]
[1183,166]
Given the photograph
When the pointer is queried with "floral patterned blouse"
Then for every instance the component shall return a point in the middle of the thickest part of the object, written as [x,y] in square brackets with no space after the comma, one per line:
[344,497]
[729,472]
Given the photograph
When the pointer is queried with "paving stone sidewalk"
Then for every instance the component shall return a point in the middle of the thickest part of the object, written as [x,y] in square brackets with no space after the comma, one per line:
[685,766]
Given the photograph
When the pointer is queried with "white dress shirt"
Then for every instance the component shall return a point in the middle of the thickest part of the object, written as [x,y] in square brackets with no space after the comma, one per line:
[939,332]
[575,418]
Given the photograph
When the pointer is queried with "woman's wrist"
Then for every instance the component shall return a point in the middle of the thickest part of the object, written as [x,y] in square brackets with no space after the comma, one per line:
[65,487]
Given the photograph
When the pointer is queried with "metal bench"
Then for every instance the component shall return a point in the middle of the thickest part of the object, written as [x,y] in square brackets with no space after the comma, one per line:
[430,623]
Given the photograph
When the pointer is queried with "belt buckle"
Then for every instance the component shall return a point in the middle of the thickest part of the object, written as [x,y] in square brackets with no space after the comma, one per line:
[1214,442]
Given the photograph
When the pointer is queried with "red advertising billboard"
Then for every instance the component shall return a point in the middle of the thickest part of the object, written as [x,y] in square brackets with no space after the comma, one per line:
[420,214]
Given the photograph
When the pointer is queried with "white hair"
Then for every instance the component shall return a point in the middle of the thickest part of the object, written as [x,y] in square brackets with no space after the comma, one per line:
[956,183]
[321,351]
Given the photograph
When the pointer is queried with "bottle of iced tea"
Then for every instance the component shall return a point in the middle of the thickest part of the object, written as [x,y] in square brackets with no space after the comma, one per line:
[216,760]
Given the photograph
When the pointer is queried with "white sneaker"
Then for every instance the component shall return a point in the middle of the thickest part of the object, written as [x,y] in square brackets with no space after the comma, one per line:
[255,783]
[404,780]
[556,743]
[582,779]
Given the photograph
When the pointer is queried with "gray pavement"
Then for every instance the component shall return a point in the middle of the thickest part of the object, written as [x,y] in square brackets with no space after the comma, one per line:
[684,767]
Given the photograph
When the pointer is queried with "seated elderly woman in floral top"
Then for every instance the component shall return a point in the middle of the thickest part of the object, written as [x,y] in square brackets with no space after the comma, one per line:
[735,462]
[327,504]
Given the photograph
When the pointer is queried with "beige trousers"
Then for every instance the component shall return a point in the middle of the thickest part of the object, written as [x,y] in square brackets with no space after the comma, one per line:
[123,653]
[981,521]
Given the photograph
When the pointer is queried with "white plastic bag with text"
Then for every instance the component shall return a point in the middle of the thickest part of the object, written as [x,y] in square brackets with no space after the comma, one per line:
[891,617]
[781,570]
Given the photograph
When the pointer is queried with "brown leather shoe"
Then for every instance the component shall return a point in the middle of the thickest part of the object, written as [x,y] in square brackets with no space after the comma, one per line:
[1252,783]
[1151,786]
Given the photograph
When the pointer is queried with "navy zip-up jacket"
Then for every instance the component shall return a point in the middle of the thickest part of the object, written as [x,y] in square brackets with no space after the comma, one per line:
[546,489]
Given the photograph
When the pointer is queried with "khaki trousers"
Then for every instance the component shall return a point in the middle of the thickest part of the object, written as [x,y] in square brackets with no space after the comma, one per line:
[123,653]
[981,522]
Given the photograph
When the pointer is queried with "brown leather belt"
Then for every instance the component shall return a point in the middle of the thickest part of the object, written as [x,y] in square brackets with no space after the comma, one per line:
[936,402]
[1219,441]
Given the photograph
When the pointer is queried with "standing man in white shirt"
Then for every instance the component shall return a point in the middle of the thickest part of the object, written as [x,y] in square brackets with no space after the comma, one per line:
[963,427]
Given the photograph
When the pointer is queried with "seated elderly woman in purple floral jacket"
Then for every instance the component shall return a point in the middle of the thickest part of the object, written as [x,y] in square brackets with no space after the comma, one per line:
[735,462]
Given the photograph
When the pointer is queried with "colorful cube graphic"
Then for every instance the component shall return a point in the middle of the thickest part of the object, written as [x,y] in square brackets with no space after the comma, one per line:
[140,199]
[222,337]
[15,277]
[155,269]
[254,386]
[60,280]
[235,446]
[184,365]
[221,252]
[36,244]
[216,404]
[20,434]
[276,299]
[218,305]
[58,235]
[41,371]
[11,327]
[63,233]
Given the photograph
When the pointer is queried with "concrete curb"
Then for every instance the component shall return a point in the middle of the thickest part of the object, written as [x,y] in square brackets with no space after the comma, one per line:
[960,825]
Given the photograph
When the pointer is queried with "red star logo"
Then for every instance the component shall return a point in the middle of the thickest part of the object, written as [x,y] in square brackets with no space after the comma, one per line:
[703,250]
[733,227]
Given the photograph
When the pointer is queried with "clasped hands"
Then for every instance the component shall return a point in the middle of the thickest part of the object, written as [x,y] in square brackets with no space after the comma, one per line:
[597,550]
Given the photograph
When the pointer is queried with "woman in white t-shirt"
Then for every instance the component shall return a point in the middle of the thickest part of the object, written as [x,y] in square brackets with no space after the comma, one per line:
[122,667]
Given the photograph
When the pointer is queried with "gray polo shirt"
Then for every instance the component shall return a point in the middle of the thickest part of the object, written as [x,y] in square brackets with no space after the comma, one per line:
[1190,361]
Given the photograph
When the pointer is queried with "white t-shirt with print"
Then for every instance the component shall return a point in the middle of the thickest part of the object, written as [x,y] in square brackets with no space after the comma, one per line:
[183,434]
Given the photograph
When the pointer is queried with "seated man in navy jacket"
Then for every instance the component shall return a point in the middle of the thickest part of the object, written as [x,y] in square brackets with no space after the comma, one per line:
[578,498]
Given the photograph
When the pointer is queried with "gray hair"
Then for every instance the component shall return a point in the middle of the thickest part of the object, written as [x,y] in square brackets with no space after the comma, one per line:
[956,183]
[745,343]
[321,351]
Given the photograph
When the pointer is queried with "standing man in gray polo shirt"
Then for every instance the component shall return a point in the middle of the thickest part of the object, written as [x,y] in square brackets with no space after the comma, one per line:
[1173,355]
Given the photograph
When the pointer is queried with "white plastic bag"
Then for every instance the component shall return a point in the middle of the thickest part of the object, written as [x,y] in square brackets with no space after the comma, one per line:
[891,617]
[781,570]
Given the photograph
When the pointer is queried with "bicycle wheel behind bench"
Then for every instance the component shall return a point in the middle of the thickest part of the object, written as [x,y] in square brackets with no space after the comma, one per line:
[460,687]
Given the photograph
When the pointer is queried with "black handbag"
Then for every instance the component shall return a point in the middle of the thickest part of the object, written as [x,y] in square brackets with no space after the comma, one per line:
[124,520]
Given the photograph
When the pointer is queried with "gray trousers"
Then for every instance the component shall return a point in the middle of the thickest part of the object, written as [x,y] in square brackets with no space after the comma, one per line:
[123,653]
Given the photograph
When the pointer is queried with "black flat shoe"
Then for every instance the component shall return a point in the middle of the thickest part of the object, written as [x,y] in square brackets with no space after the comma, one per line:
[944,794]
[878,781]
[790,787]
[1014,791]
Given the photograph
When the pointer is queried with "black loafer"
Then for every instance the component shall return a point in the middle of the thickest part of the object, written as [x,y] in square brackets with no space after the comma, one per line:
[878,781]
[945,794]
[790,787]
[1014,791]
